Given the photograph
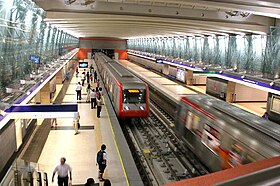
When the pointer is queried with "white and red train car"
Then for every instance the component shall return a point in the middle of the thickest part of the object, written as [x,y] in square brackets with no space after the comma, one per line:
[129,95]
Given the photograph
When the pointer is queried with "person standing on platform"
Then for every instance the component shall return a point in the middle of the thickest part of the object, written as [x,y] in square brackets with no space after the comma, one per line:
[83,78]
[92,99]
[100,91]
[87,75]
[77,71]
[62,171]
[98,83]
[90,78]
[99,104]
[79,91]
[95,76]
[76,122]
[88,93]
[101,160]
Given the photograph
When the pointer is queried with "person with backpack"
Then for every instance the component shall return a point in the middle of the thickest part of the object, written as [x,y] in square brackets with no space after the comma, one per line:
[101,159]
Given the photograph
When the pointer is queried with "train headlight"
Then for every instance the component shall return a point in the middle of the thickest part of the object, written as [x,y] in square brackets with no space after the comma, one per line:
[126,108]
[142,108]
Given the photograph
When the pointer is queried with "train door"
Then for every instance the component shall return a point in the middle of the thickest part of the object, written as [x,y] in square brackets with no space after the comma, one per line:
[211,139]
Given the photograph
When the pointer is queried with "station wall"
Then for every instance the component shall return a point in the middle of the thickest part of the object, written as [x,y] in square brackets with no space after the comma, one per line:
[87,44]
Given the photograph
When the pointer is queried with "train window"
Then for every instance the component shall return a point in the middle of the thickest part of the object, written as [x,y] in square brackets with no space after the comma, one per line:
[239,156]
[134,95]
[211,138]
[192,121]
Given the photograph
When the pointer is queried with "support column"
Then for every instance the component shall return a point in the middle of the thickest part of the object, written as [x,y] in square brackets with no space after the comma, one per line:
[165,69]
[189,77]
[45,94]
[230,92]
[59,77]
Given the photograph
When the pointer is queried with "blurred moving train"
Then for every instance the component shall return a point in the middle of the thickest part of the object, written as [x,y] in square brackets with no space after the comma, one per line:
[129,94]
[223,135]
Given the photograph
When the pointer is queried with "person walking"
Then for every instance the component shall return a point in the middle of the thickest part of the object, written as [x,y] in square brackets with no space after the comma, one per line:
[76,122]
[99,104]
[95,76]
[101,160]
[88,93]
[62,171]
[92,99]
[77,71]
[79,91]
[53,122]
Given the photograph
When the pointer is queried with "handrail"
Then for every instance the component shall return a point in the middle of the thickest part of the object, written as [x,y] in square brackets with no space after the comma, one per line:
[46,179]
[28,172]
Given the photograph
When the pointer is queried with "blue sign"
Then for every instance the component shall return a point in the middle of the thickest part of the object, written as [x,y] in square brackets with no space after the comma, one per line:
[83,65]
[43,108]
[35,59]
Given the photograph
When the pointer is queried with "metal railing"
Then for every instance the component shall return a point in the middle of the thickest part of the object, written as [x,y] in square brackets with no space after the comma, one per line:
[23,173]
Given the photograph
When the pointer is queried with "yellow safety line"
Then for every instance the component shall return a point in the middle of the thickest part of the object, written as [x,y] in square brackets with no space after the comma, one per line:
[114,138]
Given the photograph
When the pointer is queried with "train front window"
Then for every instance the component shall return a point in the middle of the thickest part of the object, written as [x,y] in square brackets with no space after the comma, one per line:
[134,96]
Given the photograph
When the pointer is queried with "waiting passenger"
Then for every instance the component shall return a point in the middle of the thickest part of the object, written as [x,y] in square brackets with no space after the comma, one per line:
[101,159]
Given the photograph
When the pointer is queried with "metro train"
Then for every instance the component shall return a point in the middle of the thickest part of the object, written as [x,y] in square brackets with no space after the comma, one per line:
[224,136]
[129,95]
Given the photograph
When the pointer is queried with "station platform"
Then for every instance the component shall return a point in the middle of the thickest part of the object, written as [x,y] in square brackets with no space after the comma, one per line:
[176,90]
[80,150]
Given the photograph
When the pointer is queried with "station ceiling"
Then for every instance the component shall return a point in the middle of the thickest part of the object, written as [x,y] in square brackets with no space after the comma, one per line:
[154,18]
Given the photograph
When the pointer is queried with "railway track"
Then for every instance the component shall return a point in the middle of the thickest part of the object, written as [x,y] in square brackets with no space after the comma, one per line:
[160,155]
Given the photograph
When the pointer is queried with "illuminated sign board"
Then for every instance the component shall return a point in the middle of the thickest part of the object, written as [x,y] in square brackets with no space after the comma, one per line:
[133,91]
[83,65]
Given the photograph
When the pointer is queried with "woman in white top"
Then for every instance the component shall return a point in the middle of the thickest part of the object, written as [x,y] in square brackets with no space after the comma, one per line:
[76,122]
